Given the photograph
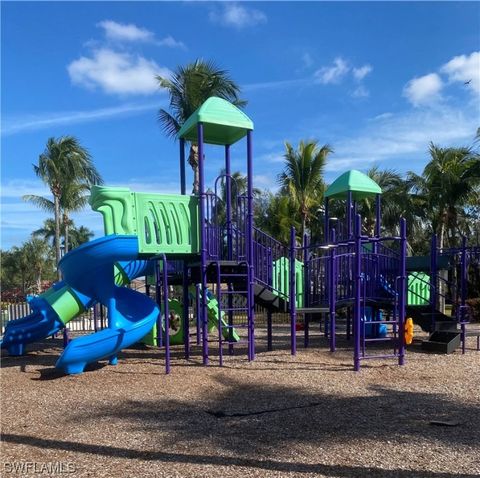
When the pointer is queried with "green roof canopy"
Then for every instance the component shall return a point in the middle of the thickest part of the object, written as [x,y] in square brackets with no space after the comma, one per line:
[223,123]
[360,184]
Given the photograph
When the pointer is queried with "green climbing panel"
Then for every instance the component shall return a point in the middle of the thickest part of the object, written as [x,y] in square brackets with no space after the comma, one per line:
[281,282]
[176,325]
[164,223]
[418,292]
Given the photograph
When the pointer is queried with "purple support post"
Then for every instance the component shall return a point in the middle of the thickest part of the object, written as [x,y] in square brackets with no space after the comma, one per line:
[433,279]
[66,338]
[292,298]
[203,245]
[95,327]
[306,287]
[358,293]
[349,214]
[228,192]
[183,186]
[332,287]
[197,311]
[326,226]
[378,215]
[220,329]
[102,317]
[158,298]
[186,312]
[250,298]
[403,291]
[463,290]
[167,314]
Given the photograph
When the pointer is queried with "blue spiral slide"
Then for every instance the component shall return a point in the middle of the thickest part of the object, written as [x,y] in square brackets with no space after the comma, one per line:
[90,275]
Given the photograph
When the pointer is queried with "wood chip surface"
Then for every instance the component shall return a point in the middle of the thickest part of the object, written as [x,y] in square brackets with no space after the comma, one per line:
[279,416]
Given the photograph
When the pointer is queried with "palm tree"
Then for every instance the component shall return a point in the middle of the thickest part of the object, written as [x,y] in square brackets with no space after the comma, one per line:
[448,184]
[76,236]
[80,235]
[189,87]
[302,177]
[66,168]
[47,231]
[74,198]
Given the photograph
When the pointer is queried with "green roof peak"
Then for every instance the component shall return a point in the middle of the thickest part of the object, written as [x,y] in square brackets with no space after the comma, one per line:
[359,183]
[223,123]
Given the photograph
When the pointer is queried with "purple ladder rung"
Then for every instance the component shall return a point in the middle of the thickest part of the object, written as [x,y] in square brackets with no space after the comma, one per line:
[379,339]
[373,357]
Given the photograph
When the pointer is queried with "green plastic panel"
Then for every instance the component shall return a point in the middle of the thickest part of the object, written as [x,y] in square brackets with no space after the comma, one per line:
[176,333]
[164,223]
[65,303]
[281,282]
[418,292]
[359,183]
[223,123]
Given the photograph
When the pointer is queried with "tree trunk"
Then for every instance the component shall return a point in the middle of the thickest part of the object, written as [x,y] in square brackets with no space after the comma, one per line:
[193,162]
[66,227]
[442,234]
[304,226]
[56,203]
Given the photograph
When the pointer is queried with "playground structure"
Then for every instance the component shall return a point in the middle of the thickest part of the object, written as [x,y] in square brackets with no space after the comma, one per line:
[204,240]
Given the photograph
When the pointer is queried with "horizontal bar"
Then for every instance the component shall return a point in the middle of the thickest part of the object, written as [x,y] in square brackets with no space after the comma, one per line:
[311,310]
[373,357]
[380,339]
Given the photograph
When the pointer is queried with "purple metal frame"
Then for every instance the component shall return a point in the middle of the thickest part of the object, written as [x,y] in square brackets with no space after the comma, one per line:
[292,295]
[203,245]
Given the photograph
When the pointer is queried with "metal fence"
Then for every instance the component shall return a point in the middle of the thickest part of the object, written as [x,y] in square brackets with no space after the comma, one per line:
[83,323]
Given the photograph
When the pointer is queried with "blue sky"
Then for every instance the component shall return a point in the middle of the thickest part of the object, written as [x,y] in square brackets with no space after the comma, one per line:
[377,81]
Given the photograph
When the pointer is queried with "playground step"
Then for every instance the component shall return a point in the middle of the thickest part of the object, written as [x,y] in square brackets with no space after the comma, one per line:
[442,342]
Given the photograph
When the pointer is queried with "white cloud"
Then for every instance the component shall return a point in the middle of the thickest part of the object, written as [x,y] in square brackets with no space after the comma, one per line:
[232,14]
[122,32]
[171,42]
[125,32]
[382,116]
[423,90]
[360,73]
[277,84]
[464,68]
[333,73]
[116,73]
[16,188]
[307,60]
[360,92]
[402,140]
[48,120]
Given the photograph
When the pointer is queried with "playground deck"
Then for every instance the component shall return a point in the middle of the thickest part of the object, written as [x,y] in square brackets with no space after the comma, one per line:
[279,416]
